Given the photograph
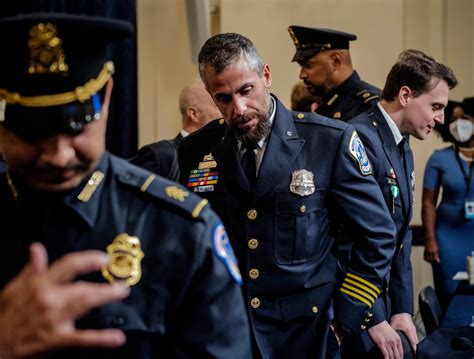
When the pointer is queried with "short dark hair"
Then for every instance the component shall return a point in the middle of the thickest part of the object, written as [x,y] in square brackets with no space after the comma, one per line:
[222,50]
[416,70]
[302,99]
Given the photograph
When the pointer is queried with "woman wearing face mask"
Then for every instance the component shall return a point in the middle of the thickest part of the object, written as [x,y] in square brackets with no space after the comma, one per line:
[449,229]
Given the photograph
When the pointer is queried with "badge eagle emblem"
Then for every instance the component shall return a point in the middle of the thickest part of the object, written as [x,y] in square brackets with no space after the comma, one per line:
[125,260]
[302,182]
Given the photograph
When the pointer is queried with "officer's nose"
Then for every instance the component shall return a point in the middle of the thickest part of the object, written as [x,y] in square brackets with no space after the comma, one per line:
[57,151]
[439,118]
[303,74]
[240,106]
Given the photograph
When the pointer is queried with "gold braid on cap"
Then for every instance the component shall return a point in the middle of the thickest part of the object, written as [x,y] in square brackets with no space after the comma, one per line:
[80,93]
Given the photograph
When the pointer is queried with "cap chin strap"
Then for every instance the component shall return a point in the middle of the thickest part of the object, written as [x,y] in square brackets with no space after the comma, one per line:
[80,93]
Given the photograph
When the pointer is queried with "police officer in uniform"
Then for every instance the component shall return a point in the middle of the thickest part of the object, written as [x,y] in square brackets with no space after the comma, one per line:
[281,181]
[64,190]
[412,103]
[326,69]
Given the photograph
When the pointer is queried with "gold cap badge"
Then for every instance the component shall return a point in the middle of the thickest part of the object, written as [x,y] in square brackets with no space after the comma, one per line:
[46,52]
[125,260]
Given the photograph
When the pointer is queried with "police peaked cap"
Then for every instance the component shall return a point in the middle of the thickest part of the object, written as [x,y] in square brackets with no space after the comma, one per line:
[51,69]
[309,41]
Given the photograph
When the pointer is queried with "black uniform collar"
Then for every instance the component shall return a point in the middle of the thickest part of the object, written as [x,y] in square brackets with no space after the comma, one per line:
[343,88]
[85,200]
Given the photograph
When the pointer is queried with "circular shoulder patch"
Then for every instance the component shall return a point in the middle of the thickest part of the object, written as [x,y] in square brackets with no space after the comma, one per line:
[358,152]
[223,250]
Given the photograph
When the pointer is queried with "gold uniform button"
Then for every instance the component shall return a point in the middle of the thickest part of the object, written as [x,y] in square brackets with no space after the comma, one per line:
[374,123]
[367,320]
[254,273]
[252,214]
[255,303]
[303,208]
[300,115]
[363,327]
[369,315]
[221,121]
[253,243]
[315,309]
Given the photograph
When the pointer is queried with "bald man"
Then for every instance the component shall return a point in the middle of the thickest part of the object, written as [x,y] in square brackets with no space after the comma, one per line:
[197,109]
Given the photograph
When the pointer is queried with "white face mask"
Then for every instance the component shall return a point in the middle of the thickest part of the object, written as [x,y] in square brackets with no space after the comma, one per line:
[461,130]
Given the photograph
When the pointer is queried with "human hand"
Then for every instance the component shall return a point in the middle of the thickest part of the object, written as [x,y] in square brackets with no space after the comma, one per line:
[39,306]
[431,253]
[339,334]
[387,340]
[403,322]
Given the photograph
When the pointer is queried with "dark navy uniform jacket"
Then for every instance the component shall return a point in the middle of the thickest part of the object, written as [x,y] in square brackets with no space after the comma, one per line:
[186,304]
[349,99]
[284,241]
[160,157]
[397,184]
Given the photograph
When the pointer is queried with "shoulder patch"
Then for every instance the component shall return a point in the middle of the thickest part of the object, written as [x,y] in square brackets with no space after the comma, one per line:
[223,250]
[357,150]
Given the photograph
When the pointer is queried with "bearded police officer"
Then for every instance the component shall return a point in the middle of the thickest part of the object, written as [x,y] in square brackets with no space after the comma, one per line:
[282,182]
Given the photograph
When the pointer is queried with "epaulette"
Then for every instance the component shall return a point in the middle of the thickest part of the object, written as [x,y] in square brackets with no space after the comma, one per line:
[214,125]
[367,95]
[314,118]
[162,189]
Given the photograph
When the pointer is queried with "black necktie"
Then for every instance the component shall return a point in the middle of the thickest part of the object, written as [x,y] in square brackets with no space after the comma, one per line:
[248,164]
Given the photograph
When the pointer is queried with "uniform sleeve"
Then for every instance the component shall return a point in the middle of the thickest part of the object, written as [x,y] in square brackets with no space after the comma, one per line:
[401,280]
[156,158]
[432,178]
[213,320]
[357,194]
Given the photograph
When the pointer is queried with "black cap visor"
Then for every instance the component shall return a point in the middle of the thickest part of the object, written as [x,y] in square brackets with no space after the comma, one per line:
[32,123]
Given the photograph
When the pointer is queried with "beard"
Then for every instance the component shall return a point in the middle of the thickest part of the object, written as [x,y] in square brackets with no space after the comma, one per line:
[252,136]
[314,90]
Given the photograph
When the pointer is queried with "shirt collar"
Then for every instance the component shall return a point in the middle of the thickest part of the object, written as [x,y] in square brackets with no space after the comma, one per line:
[397,135]
[184,133]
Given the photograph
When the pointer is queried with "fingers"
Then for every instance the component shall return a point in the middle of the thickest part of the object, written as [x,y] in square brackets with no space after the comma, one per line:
[80,297]
[38,258]
[72,265]
[106,338]
[37,264]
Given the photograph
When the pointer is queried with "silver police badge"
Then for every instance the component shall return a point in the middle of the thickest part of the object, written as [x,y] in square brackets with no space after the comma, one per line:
[302,182]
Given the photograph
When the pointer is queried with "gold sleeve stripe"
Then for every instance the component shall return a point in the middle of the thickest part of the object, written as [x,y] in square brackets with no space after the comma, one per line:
[361,286]
[362,280]
[80,93]
[147,183]
[362,293]
[362,299]
[202,203]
